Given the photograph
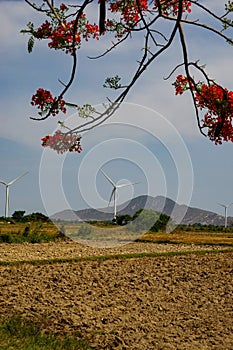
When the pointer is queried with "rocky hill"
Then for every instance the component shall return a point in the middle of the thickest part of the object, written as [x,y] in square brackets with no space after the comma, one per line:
[179,213]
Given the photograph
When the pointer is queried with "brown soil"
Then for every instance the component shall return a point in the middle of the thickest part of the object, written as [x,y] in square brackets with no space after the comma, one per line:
[150,303]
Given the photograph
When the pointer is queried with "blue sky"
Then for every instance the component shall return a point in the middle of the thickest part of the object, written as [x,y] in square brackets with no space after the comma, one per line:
[153,139]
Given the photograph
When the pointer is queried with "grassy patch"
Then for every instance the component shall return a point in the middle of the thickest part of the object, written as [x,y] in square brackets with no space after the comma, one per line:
[19,333]
[29,232]
[113,256]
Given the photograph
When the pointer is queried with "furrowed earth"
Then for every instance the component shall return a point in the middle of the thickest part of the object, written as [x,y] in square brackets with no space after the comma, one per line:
[172,302]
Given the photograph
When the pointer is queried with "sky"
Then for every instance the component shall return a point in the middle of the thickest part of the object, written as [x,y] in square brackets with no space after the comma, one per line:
[152,140]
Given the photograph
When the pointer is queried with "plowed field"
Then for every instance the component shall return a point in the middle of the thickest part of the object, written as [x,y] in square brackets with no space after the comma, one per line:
[139,303]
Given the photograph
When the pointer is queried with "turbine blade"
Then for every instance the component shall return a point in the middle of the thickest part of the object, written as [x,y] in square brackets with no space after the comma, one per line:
[108,178]
[16,179]
[128,184]
[222,205]
[122,185]
[3,182]
[113,191]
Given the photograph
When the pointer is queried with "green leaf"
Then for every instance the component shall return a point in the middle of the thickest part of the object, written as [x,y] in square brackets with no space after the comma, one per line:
[112,82]
[86,111]
[229,6]
[30,44]
[24,31]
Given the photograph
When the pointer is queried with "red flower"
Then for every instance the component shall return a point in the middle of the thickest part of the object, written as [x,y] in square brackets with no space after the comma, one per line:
[62,142]
[172,7]
[63,7]
[44,101]
[181,84]
[61,35]
[218,102]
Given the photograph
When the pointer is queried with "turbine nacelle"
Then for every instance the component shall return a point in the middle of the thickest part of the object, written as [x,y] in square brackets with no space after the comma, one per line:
[116,187]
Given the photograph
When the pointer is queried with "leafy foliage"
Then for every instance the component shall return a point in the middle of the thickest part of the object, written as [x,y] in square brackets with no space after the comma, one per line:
[19,216]
[123,219]
[113,83]
[147,219]
[161,223]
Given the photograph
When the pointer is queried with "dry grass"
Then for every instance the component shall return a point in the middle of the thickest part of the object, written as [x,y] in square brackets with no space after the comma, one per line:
[191,237]
[15,228]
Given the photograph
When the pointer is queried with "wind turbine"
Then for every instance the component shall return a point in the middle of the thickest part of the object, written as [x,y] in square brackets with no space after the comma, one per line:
[114,192]
[225,209]
[8,184]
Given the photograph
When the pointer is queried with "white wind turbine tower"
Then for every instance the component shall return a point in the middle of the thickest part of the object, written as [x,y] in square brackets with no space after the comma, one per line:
[114,192]
[8,184]
[225,209]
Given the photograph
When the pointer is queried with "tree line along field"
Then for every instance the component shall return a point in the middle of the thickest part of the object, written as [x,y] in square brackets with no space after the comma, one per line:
[46,231]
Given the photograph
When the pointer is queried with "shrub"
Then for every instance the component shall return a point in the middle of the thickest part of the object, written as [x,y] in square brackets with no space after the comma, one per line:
[161,223]
[26,231]
[85,231]
[143,220]
[123,219]
[18,215]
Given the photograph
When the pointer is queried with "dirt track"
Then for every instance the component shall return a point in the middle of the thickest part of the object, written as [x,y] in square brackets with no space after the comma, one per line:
[176,302]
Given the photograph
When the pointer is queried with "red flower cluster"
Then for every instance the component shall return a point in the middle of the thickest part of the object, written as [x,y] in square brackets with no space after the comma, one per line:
[44,100]
[218,102]
[181,84]
[62,142]
[63,7]
[129,10]
[43,31]
[218,119]
[62,35]
[172,7]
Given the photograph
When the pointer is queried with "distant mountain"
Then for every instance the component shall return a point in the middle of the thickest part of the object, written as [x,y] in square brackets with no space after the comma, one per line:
[179,213]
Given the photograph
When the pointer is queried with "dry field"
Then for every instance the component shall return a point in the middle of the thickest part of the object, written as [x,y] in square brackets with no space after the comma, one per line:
[139,303]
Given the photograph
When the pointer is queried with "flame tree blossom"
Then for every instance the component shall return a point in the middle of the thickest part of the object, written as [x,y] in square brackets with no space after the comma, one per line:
[217,104]
[66,27]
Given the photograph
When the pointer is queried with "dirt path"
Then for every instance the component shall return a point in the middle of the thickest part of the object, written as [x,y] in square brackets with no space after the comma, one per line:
[170,303]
